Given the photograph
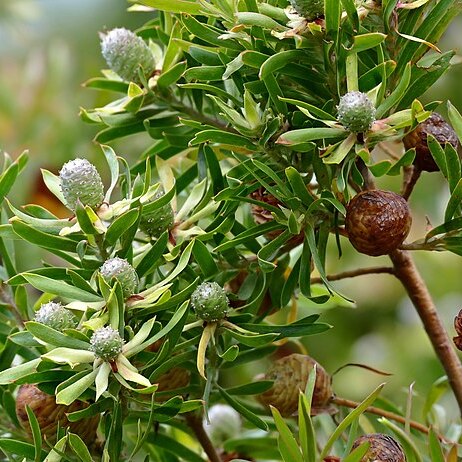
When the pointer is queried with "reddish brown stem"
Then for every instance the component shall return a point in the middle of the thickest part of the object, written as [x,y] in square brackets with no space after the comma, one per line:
[410,180]
[195,423]
[381,412]
[355,273]
[407,273]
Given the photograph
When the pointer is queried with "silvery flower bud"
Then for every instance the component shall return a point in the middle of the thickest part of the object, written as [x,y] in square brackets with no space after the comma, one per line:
[106,343]
[54,315]
[356,112]
[79,180]
[125,53]
[210,302]
[120,269]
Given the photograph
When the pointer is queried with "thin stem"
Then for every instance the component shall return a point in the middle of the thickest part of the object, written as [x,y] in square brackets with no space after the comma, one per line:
[356,273]
[6,298]
[195,423]
[411,177]
[388,415]
[407,273]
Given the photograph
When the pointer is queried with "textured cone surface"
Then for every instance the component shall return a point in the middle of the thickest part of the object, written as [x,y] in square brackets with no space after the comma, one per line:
[175,378]
[356,112]
[155,222]
[49,415]
[383,448]
[290,375]
[210,302]
[121,270]
[435,125]
[54,315]
[106,343]
[125,53]
[309,9]
[79,180]
[377,222]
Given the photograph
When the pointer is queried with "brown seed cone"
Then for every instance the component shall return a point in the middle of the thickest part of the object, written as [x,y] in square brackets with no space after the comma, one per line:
[383,448]
[458,328]
[290,375]
[49,415]
[175,378]
[377,222]
[435,125]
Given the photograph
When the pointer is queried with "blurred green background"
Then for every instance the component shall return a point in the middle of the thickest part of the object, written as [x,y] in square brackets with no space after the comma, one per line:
[48,48]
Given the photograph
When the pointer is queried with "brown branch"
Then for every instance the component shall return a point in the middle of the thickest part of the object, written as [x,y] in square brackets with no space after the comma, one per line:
[387,414]
[355,273]
[407,273]
[411,176]
[195,423]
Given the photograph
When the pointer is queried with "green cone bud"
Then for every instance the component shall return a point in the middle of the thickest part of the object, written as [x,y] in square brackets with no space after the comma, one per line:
[210,302]
[356,112]
[79,180]
[309,9]
[121,270]
[125,53]
[106,343]
[155,222]
[54,315]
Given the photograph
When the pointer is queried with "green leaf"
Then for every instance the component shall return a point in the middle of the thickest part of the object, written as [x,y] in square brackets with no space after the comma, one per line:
[287,444]
[148,263]
[254,388]
[358,453]
[174,446]
[456,120]
[254,341]
[249,18]
[398,93]
[120,225]
[348,420]
[436,451]
[454,202]
[366,41]
[178,6]
[60,288]
[279,61]
[18,448]
[223,138]
[69,394]
[54,337]
[16,372]
[296,138]
[41,239]
[172,75]
[79,448]
[204,259]
[36,433]
[243,410]
[8,177]
[333,10]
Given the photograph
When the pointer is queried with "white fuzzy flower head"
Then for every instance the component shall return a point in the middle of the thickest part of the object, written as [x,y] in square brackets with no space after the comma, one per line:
[54,315]
[106,343]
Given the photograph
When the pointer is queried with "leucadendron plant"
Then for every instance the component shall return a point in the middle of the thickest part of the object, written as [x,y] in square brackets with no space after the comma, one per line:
[270,127]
